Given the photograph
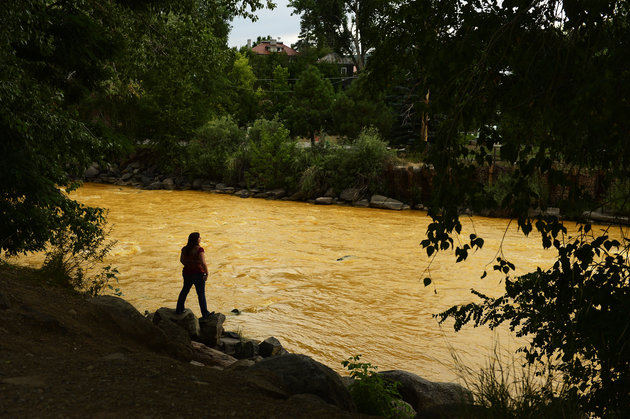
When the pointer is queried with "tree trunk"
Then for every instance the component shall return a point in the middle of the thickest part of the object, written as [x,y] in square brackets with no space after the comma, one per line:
[424,129]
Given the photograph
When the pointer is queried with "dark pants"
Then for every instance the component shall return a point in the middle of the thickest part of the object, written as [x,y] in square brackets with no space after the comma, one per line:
[200,286]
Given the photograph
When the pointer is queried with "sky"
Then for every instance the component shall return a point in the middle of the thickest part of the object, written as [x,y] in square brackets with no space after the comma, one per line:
[278,23]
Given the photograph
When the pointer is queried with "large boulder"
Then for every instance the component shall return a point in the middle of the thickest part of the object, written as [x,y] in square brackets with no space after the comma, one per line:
[228,344]
[425,395]
[350,195]
[168,183]
[154,186]
[186,320]
[270,347]
[246,348]
[211,357]
[324,200]
[379,201]
[276,193]
[211,329]
[174,332]
[362,203]
[92,171]
[300,374]
[125,319]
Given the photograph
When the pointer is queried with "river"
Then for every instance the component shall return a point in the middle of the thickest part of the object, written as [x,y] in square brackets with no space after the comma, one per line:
[327,281]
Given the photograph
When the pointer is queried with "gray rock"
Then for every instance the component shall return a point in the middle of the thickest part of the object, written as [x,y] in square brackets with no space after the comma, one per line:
[207,186]
[92,171]
[126,176]
[228,344]
[277,193]
[350,195]
[186,320]
[423,394]
[196,183]
[154,186]
[270,347]
[168,183]
[211,329]
[299,374]
[174,332]
[363,203]
[379,201]
[232,335]
[243,193]
[323,200]
[221,188]
[113,169]
[330,193]
[241,364]
[246,348]
[211,357]
[297,196]
[121,316]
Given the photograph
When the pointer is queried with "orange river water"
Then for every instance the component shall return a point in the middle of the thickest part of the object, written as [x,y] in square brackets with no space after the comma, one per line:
[277,262]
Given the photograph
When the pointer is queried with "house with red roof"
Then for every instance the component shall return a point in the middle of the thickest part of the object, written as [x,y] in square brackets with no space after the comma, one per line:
[272,46]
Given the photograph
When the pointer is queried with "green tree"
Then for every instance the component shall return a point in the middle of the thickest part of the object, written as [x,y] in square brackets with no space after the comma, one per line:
[49,59]
[280,90]
[271,155]
[71,72]
[548,81]
[359,107]
[212,147]
[242,97]
[350,27]
[172,74]
[310,108]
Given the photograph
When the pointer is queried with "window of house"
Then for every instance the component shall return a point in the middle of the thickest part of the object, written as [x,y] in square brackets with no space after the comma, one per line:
[344,71]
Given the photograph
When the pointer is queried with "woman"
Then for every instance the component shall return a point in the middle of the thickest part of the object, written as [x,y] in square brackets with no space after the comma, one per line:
[195,273]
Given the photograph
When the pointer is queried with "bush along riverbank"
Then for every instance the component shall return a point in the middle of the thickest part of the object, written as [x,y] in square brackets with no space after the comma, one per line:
[141,175]
[401,187]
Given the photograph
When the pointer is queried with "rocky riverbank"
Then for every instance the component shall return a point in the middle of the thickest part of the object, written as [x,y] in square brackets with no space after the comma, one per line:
[64,355]
[143,175]
[411,185]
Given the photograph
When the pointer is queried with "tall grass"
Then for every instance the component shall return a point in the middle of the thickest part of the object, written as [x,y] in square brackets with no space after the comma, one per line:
[505,388]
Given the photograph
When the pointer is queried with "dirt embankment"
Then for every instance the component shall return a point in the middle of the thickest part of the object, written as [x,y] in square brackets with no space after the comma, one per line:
[58,358]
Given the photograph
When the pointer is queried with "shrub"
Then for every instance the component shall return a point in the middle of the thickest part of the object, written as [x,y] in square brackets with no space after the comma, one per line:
[316,169]
[363,164]
[619,197]
[371,392]
[74,263]
[214,143]
[272,155]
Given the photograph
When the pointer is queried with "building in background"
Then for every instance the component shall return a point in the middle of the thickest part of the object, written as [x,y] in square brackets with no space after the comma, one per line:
[273,46]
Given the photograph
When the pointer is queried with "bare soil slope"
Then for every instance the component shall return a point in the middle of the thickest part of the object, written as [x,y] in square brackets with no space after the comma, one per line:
[59,359]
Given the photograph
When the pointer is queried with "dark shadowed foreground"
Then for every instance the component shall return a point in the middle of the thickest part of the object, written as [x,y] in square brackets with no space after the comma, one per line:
[59,358]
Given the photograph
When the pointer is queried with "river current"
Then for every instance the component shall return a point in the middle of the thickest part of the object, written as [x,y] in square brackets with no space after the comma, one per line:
[327,281]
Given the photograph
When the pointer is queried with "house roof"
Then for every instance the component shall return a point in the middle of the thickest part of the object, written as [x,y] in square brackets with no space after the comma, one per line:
[273,47]
[334,58]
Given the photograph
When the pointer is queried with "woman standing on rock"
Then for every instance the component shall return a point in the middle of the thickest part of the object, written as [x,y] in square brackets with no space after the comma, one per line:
[195,273]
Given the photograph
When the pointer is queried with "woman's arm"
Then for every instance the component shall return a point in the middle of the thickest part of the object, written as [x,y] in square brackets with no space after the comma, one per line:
[202,260]
[181,258]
